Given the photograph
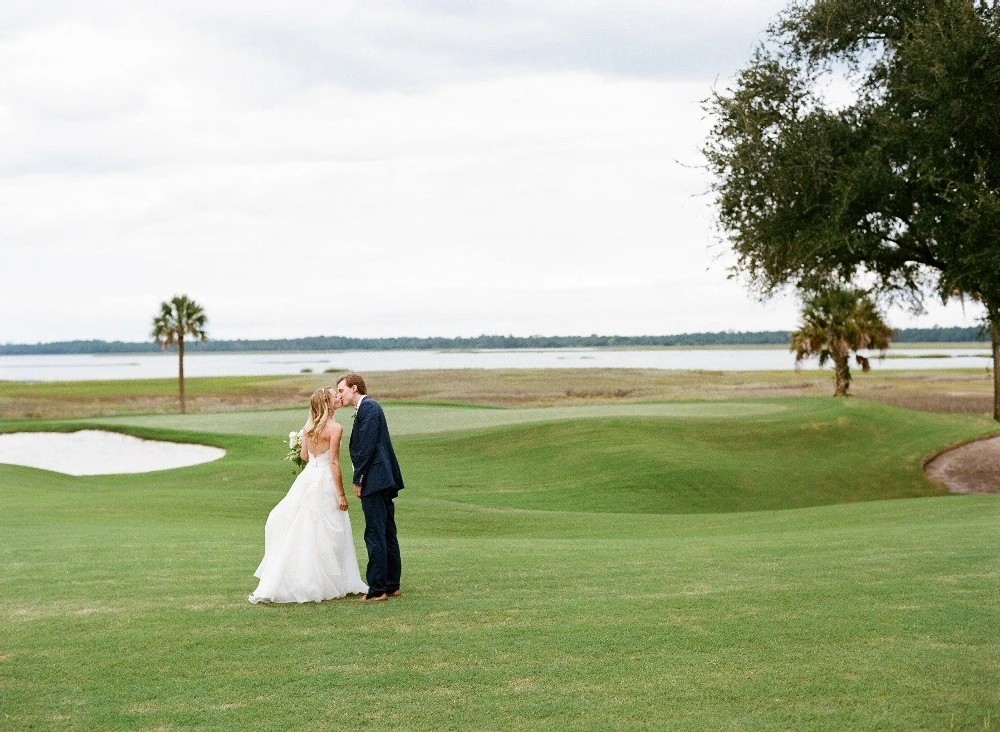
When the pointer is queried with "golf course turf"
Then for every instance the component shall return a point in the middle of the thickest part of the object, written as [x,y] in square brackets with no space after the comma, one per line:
[755,564]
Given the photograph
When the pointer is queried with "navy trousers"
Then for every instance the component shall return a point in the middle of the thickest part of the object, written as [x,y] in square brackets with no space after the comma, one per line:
[384,566]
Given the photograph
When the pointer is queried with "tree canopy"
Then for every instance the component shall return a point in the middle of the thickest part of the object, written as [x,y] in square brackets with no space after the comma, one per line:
[900,184]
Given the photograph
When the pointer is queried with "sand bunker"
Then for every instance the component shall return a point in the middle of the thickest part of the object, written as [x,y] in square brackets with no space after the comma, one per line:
[970,468]
[94,452]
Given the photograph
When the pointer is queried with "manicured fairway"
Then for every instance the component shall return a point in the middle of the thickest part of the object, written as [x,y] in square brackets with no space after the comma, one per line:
[603,572]
[410,419]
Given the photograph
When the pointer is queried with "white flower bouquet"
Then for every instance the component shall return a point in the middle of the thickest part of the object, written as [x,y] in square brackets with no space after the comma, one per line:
[294,455]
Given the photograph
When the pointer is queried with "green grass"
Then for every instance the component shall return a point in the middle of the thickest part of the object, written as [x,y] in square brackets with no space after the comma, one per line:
[813,452]
[685,570]
[410,419]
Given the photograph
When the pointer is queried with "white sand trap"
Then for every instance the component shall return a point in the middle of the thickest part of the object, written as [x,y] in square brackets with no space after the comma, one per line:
[94,452]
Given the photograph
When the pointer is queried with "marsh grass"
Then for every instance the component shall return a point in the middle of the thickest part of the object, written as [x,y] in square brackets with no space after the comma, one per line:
[569,574]
[952,390]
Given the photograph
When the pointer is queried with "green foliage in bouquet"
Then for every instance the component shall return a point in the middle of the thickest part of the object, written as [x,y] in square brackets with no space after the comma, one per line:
[294,455]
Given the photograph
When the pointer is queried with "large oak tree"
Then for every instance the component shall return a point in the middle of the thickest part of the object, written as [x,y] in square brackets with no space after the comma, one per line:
[900,184]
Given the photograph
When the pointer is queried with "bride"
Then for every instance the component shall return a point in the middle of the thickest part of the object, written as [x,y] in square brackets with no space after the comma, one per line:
[308,547]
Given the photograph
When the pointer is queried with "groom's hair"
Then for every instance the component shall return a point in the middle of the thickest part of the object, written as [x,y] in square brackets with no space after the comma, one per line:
[354,380]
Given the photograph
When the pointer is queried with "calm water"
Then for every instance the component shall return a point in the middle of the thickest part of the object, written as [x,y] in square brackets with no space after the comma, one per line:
[164,365]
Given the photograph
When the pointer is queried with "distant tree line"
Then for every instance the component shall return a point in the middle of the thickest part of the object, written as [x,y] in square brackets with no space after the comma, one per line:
[342,343]
[941,335]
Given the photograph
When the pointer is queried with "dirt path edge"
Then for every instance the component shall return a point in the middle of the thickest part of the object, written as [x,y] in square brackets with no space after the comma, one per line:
[971,467]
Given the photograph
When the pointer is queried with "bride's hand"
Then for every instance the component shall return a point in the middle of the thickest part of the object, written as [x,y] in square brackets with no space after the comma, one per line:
[342,502]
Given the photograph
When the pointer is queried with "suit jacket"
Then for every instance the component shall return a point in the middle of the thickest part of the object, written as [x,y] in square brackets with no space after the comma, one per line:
[374,460]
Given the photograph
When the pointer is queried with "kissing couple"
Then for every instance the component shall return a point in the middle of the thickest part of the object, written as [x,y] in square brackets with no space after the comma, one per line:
[308,545]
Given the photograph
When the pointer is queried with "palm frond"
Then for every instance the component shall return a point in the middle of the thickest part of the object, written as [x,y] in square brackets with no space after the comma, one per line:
[179,317]
[837,321]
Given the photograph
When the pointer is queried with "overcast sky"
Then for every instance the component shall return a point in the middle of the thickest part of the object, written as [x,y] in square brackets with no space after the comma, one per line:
[370,169]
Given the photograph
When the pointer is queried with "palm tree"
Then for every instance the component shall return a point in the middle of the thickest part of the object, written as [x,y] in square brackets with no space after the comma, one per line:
[179,317]
[836,321]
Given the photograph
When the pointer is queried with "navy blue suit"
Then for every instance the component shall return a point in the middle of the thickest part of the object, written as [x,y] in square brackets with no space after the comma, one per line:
[376,470]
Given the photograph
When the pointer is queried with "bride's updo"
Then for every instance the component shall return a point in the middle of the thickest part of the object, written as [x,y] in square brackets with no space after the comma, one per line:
[320,410]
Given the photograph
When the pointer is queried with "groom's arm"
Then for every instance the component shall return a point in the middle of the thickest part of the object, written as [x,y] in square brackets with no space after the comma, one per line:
[365,442]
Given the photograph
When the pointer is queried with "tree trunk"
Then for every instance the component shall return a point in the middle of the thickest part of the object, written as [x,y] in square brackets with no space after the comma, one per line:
[180,369]
[995,333]
[841,376]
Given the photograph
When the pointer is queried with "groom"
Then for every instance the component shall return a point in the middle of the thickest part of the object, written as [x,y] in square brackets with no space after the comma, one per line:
[377,480]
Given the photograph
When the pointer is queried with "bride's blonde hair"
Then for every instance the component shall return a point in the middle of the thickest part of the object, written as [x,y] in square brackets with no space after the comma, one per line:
[320,410]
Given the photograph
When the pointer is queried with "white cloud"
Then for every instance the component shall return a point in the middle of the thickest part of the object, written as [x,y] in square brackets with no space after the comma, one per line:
[365,169]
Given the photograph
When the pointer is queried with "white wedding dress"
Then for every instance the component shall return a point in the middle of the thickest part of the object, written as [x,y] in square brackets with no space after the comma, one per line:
[308,547]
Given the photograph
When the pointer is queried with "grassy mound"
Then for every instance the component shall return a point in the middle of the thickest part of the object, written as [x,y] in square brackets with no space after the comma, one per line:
[814,452]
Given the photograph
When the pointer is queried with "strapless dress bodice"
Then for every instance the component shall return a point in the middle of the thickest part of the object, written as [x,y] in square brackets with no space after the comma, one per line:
[320,460]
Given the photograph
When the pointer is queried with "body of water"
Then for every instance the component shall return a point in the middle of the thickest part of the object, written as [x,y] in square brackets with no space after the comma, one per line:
[164,365]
